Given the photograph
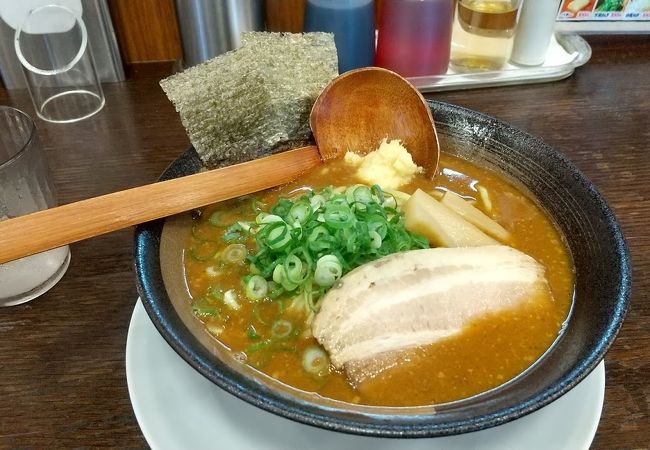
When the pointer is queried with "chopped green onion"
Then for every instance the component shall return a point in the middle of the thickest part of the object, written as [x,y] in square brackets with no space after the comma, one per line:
[375,239]
[316,201]
[280,277]
[230,299]
[280,304]
[245,226]
[267,218]
[256,288]
[233,233]
[252,268]
[215,293]
[328,270]
[257,314]
[206,310]
[230,237]
[216,219]
[315,361]
[338,215]
[318,233]
[257,206]
[379,225]
[275,235]
[349,227]
[275,289]
[213,329]
[202,233]
[211,271]
[252,334]
[203,250]
[261,345]
[282,207]
[281,329]
[358,194]
[300,212]
[377,194]
[235,253]
[294,270]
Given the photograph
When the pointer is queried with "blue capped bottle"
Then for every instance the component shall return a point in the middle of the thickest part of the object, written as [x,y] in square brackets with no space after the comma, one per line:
[353,25]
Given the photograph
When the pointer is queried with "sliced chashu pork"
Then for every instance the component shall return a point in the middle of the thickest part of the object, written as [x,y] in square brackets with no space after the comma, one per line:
[417,298]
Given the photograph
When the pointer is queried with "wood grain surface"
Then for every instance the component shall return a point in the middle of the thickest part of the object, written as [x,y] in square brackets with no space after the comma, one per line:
[147,30]
[284,15]
[62,373]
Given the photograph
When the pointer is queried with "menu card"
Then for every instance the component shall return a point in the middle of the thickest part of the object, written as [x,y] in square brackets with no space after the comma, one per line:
[605,15]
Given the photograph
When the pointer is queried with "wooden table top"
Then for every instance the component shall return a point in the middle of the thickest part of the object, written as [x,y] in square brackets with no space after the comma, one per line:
[62,369]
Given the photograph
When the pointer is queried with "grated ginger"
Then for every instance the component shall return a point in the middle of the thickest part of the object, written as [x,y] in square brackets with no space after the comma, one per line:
[390,166]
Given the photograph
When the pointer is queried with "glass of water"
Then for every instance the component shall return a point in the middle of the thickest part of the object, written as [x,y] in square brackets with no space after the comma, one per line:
[25,187]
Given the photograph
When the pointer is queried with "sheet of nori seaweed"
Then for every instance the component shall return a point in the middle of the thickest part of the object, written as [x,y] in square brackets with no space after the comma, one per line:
[255,100]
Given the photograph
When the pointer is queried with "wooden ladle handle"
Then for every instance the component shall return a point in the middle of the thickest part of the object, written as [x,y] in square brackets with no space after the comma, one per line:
[51,228]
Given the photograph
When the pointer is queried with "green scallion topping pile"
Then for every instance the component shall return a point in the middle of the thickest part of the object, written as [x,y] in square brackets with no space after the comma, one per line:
[306,244]
[284,257]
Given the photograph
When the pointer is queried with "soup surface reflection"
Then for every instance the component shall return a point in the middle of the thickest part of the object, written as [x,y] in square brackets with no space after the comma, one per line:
[489,352]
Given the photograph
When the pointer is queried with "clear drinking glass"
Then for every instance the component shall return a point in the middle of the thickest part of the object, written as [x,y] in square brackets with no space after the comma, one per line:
[25,187]
[52,46]
[483,34]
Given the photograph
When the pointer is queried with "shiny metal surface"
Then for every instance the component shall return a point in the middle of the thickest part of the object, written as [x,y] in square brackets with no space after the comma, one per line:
[212,27]
[101,36]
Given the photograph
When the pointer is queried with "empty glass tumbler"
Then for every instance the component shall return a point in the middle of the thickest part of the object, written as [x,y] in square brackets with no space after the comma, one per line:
[52,46]
[25,187]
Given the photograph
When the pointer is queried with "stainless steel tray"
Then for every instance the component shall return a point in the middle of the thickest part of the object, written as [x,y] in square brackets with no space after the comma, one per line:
[566,52]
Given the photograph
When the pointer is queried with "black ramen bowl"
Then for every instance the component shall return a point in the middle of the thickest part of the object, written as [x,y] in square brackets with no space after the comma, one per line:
[602,285]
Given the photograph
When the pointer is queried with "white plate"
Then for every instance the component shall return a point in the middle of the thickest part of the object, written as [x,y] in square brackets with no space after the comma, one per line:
[177,408]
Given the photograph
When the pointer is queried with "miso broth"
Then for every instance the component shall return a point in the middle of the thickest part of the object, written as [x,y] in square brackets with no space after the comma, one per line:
[487,353]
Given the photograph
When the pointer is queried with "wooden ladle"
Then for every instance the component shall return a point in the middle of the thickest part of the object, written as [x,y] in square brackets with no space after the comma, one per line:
[361,107]
[354,112]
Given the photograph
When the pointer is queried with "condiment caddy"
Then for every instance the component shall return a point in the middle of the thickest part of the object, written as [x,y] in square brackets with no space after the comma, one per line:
[566,52]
